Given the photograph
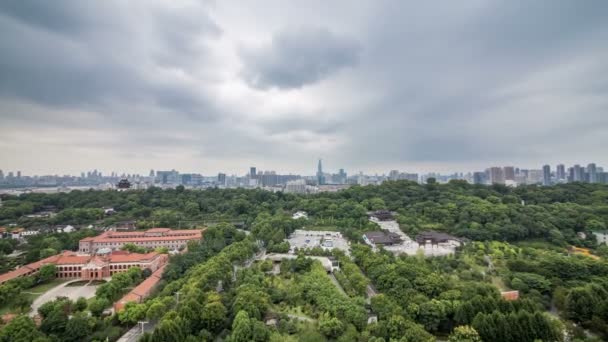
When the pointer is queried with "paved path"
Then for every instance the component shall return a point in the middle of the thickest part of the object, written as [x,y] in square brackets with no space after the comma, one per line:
[337,283]
[300,317]
[135,333]
[72,292]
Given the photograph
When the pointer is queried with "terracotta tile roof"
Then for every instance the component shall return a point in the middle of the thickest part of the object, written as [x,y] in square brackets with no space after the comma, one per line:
[72,259]
[133,257]
[510,295]
[167,235]
[141,291]
[14,274]
[158,230]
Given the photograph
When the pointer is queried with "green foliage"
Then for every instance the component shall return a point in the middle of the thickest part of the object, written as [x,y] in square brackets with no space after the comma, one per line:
[20,329]
[464,333]
[130,247]
[47,273]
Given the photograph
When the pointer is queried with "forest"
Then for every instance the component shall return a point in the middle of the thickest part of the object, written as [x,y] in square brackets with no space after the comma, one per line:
[518,239]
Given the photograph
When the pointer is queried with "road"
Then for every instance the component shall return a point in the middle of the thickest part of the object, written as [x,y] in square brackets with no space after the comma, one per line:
[135,333]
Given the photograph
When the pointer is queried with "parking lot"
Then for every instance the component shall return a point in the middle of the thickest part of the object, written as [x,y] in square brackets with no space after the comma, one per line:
[327,240]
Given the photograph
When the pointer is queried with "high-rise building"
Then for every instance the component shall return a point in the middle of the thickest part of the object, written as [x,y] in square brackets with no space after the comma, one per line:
[343,176]
[320,176]
[168,177]
[592,171]
[496,175]
[252,172]
[152,173]
[509,173]
[577,173]
[535,176]
[1,175]
[479,178]
[18,174]
[560,172]
[546,175]
[221,178]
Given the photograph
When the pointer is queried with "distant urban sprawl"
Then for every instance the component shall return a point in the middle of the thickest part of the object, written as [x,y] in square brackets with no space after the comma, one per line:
[292,183]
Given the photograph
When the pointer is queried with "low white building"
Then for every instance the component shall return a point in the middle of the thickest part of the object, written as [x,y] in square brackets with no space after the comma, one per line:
[66,229]
[30,233]
[601,236]
[299,214]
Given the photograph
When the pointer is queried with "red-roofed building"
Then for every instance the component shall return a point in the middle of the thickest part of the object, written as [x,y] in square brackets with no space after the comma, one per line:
[71,265]
[141,291]
[151,238]
[510,295]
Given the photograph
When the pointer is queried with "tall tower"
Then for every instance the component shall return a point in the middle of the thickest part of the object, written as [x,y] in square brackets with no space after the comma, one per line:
[546,175]
[320,177]
[561,172]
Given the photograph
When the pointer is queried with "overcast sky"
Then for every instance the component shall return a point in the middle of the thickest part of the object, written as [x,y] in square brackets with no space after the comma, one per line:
[204,86]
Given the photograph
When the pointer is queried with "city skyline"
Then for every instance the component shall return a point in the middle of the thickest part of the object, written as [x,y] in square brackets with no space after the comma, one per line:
[310,172]
[216,86]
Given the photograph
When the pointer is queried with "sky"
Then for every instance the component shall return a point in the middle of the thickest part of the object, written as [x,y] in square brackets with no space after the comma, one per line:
[209,86]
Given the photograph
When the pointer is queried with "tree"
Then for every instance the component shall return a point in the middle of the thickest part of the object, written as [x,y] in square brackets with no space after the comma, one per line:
[78,328]
[133,248]
[213,316]
[464,333]
[20,329]
[97,305]
[132,313]
[47,272]
[431,314]
[81,304]
[22,303]
[330,326]
[241,328]
[47,252]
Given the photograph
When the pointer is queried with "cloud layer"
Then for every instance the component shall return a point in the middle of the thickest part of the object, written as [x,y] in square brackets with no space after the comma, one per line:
[207,86]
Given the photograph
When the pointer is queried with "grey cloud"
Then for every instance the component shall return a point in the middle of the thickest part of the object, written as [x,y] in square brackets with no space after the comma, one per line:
[298,57]
[76,55]
[449,83]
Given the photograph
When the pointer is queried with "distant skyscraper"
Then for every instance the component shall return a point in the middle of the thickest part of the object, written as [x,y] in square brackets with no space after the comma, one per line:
[592,171]
[221,178]
[320,176]
[18,174]
[546,175]
[479,178]
[343,176]
[252,172]
[393,175]
[496,175]
[560,172]
[1,175]
[509,173]
[577,174]
[152,173]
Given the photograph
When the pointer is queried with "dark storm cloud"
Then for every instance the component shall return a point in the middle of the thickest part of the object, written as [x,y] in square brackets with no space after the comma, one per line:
[298,57]
[72,54]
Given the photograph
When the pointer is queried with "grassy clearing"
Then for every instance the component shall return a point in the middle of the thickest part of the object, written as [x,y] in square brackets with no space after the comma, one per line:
[34,293]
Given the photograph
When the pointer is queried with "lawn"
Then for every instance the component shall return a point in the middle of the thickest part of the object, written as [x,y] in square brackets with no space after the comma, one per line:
[38,290]
[34,293]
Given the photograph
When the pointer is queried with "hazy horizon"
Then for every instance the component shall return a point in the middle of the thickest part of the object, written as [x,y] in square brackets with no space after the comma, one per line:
[219,86]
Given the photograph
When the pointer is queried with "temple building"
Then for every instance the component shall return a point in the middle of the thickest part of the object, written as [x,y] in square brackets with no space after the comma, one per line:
[151,238]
